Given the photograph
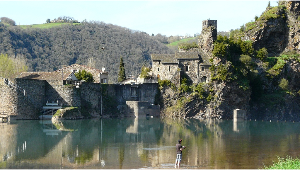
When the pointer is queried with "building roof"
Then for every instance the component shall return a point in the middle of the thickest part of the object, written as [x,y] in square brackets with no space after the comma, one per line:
[193,54]
[62,73]
[45,75]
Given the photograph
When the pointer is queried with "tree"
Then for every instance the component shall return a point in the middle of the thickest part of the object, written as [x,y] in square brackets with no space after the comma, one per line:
[11,67]
[84,75]
[262,54]
[48,21]
[144,72]
[8,21]
[121,75]
[246,60]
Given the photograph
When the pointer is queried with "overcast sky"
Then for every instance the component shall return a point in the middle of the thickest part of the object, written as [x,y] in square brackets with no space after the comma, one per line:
[165,17]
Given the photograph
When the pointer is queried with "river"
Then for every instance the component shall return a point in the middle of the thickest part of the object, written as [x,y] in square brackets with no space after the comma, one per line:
[145,143]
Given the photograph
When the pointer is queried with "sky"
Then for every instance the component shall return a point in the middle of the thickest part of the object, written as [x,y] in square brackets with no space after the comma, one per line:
[169,17]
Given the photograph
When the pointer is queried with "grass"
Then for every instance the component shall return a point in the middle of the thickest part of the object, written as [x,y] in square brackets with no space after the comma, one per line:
[176,43]
[287,163]
[47,25]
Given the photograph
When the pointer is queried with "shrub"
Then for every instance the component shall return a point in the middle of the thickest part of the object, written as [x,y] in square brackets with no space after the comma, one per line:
[199,90]
[163,83]
[245,59]
[284,83]
[220,72]
[288,163]
[262,54]
[84,75]
[144,72]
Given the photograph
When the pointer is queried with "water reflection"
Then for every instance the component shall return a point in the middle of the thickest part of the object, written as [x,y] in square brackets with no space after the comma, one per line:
[144,143]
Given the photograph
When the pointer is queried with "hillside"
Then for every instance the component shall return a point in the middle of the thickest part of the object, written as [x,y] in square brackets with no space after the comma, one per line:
[48,47]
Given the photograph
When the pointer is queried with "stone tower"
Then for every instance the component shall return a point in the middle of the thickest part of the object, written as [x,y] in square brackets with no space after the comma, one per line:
[208,36]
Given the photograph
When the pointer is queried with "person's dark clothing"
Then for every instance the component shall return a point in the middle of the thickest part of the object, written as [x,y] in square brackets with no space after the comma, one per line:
[178,147]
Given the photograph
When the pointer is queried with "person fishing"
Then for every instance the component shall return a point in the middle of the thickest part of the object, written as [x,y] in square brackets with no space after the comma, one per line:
[179,149]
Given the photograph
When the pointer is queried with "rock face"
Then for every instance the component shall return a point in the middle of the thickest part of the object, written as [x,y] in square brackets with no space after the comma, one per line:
[277,32]
[232,97]
[271,33]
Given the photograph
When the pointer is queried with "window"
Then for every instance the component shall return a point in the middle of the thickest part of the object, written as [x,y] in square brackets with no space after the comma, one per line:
[169,68]
[103,80]
[186,68]
[157,69]
[202,68]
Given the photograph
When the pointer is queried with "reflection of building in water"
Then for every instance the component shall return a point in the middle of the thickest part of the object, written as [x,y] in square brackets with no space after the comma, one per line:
[133,128]
[8,142]
[239,126]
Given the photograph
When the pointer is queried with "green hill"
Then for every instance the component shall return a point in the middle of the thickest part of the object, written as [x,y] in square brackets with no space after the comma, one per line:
[47,25]
[185,40]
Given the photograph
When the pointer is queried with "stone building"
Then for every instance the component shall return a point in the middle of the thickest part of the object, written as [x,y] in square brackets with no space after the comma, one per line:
[193,63]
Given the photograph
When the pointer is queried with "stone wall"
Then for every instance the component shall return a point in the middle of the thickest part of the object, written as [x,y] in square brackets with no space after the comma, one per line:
[147,92]
[164,71]
[32,90]
[27,98]
[128,92]
[6,97]
[23,98]
[195,70]
[66,95]
[90,94]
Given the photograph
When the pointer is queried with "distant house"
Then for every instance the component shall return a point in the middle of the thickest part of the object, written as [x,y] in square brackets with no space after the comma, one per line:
[193,63]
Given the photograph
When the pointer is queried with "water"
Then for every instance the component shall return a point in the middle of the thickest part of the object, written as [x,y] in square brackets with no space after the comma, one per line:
[145,143]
